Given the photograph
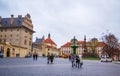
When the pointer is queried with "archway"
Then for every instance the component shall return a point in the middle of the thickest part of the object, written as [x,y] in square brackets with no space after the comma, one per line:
[8,52]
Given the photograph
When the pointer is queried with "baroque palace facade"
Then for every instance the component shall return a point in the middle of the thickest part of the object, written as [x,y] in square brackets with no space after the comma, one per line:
[43,46]
[16,36]
[66,49]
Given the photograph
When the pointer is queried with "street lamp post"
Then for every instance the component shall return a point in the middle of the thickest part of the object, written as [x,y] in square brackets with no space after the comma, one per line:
[85,48]
[74,45]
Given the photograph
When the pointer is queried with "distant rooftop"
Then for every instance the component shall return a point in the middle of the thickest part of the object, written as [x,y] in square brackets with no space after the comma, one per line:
[14,21]
[38,40]
[7,22]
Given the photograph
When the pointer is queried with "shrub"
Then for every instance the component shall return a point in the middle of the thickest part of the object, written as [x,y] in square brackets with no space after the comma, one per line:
[90,55]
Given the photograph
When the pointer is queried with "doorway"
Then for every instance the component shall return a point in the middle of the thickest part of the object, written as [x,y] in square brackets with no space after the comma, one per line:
[8,52]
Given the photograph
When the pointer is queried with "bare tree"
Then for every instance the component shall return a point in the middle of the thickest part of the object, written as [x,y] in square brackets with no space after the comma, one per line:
[112,45]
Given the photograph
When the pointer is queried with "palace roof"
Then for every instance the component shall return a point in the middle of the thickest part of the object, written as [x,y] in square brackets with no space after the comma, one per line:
[68,44]
[6,22]
[101,44]
[49,40]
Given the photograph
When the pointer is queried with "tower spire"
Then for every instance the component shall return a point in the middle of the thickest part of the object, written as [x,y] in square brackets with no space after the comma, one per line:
[49,35]
[84,37]
[43,38]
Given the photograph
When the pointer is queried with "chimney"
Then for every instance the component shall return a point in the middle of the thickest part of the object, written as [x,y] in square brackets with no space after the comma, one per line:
[49,35]
[84,37]
[12,19]
[12,16]
[19,16]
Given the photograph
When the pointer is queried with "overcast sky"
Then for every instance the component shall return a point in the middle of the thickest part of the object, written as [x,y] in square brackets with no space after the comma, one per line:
[64,19]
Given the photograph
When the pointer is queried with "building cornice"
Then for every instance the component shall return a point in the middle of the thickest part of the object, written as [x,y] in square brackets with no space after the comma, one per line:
[13,45]
[17,27]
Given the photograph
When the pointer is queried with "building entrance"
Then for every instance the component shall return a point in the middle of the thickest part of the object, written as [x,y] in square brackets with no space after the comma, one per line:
[8,52]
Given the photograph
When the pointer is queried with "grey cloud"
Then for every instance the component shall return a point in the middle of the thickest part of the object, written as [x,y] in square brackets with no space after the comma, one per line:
[66,18]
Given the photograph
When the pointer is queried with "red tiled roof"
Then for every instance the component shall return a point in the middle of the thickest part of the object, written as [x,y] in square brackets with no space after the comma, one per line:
[48,40]
[101,44]
[80,42]
[50,47]
[66,44]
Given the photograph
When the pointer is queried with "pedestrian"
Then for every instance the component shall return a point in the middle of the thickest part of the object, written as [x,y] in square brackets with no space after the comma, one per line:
[73,60]
[70,57]
[81,61]
[52,58]
[48,58]
[34,56]
[77,61]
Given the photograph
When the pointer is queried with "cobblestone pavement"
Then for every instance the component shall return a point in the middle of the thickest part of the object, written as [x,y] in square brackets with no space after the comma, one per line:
[60,67]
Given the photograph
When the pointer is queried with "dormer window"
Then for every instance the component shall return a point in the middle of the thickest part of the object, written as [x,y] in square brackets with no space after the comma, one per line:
[18,22]
[5,22]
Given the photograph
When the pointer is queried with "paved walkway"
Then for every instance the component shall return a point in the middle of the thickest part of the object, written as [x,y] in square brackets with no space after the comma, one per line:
[61,67]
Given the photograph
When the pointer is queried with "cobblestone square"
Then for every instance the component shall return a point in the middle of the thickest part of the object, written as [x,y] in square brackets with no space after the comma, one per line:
[60,67]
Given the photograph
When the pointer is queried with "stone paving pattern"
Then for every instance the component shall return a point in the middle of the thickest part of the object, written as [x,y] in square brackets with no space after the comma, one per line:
[60,67]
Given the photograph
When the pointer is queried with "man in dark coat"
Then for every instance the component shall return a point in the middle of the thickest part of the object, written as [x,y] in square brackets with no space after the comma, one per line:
[77,61]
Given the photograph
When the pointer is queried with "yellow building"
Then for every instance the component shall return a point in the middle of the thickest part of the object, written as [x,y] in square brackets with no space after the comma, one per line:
[9,50]
[50,46]
[67,50]
[16,35]
[44,46]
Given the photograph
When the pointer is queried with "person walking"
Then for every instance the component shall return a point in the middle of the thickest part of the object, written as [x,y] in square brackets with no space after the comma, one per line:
[77,61]
[70,57]
[81,61]
[48,58]
[34,56]
[52,58]
[73,60]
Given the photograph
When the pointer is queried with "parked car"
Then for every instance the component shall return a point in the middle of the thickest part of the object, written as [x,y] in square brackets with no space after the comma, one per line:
[27,56]
[64,56]
[106,59]
[1,55]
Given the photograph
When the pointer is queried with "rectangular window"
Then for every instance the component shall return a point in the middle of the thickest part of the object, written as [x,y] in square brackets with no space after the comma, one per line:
[30,33]
[29,43]
[25,36]
[25,42]
[11,30]
[26,31]
[5,30]
[11,35]
[17,35]
[4,40]
[30,39]
[17,29]
[0,40]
